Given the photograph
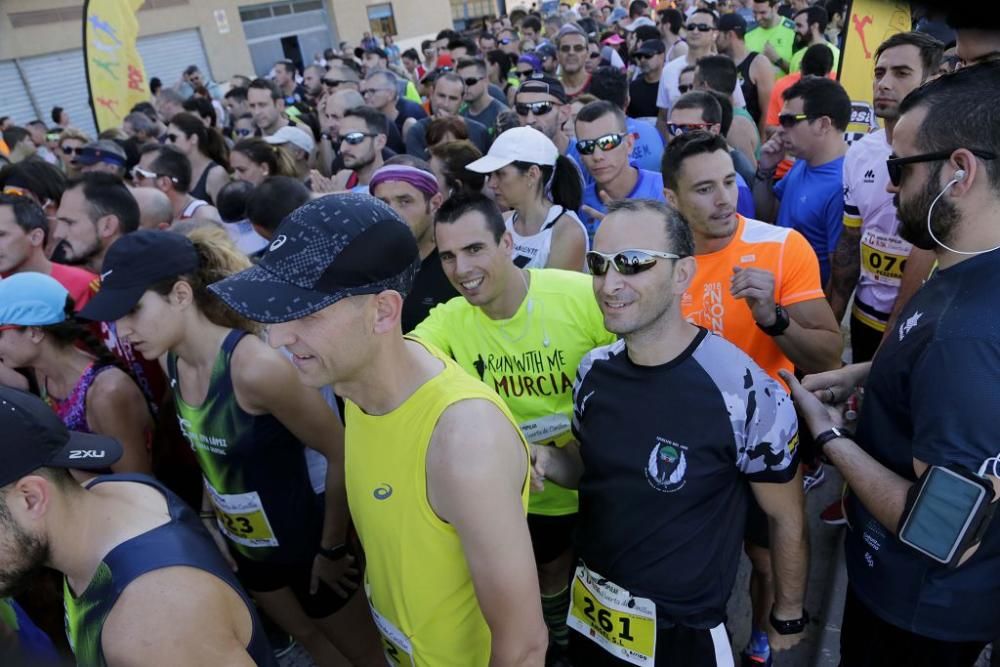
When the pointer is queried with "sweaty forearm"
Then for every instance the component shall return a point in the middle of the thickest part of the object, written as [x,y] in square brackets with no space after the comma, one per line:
[790,546]
[845,271]
[811,350]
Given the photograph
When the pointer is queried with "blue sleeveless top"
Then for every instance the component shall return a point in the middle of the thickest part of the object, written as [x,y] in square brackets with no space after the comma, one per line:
[182,541]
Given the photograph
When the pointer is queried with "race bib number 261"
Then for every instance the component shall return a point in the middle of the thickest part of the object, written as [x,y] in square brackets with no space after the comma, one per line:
[608,615]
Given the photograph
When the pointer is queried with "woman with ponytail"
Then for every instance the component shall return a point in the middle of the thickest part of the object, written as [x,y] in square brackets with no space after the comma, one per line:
[206,150]
[544,190]
[254,160]
[249,419]
[77,376]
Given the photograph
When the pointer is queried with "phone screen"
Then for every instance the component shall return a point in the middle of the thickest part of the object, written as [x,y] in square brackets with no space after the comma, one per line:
[941,513]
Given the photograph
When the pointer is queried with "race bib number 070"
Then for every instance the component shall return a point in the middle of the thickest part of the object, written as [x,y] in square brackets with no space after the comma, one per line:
[608,615]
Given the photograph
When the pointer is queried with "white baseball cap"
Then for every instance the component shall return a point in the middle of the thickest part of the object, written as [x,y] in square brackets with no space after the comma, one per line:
[519,144]
[292,135]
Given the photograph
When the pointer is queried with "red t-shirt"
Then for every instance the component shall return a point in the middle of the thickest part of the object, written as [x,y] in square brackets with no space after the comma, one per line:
[81,284]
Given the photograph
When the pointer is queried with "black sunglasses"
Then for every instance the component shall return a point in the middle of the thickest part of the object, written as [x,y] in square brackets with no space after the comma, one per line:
[570,48]
[699,27]
[355,138]
[69,150]
[684,87]
[172,138]
[606,143]
[642,56]
[333,83]
[894,165]
[523,73]
[594,55]
[471,81]
[506,40]
[677,129]
[626,262]
[537,108]
[790,120]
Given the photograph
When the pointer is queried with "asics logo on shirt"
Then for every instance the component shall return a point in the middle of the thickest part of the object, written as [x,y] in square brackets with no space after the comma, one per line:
[104,276]
[382,492]
[277,243]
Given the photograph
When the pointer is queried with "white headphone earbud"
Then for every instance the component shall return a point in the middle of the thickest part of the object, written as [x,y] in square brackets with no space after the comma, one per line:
[959,175]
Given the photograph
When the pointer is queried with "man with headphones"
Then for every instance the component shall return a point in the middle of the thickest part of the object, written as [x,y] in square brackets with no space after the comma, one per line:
[523,333]
[930,400]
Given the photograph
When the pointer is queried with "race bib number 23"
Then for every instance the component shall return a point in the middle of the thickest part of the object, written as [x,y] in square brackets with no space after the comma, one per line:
[608,615]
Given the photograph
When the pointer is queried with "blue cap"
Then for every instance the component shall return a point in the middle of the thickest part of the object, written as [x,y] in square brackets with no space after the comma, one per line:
[32,300]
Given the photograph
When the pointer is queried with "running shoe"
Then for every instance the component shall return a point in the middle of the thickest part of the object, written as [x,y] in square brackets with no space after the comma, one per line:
[812,476]
[748,659]
[833,515]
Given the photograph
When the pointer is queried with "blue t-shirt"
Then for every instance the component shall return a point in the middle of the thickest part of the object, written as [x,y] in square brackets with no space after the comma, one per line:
[744,203]
[812,203]
[931,395]
[649,186]
[647,152]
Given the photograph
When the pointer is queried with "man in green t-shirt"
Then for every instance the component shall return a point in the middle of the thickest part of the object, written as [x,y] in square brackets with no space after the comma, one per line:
[523,333]
[774,35]
[810,27]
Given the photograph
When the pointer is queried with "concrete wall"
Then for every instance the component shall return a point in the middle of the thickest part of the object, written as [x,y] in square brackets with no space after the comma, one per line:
[227,53]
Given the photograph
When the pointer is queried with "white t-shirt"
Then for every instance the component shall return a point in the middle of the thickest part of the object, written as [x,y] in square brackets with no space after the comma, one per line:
[670,80]
[532,252]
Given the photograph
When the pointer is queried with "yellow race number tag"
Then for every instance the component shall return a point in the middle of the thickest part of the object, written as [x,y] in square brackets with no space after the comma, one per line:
[608,615]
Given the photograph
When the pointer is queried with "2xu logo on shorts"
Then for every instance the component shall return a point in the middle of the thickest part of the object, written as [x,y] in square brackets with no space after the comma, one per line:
[86,454]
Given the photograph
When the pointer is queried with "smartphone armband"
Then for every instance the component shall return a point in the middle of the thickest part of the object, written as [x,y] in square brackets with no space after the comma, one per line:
[947,511]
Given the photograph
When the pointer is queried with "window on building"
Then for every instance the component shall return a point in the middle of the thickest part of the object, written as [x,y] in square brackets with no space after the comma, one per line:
[469,9]
[381,19]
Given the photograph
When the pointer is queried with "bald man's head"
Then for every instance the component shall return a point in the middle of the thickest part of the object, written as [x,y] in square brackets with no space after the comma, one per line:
[155,211]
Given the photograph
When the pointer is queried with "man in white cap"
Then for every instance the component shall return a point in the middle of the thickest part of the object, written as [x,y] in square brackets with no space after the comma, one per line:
[299,145]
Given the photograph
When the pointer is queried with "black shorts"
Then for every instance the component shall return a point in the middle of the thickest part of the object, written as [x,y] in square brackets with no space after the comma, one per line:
[675,646]
[756,530]
[267,577]
[551,536]
[868,641]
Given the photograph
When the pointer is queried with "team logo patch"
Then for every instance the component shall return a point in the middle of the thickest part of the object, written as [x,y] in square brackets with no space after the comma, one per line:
[666,466]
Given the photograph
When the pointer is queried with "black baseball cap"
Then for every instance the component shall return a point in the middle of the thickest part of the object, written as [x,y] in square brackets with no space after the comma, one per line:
[133,264]
[329,248]
[34,437]
[732,22]
[651,47]
[543,83]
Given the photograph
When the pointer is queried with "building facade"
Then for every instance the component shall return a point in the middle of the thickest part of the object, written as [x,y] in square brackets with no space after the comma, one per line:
[41,59]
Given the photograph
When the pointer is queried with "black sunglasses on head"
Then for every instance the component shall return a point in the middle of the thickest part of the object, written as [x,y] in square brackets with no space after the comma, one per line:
[333,83]
[894,165]
[626,262]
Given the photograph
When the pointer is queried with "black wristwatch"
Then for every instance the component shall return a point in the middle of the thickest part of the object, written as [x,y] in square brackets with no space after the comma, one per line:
[831,434]
[781,322]
[793,627]
[335,553]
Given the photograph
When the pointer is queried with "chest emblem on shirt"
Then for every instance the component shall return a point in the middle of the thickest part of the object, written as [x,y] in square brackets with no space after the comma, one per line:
[911,323]
[382,492]
[666,466]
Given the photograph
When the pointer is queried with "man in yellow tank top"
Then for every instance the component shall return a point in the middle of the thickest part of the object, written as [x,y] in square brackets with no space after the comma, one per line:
[436,468]
[523,334]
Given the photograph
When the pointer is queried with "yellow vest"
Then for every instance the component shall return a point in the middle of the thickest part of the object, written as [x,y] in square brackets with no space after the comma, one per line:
[417,580]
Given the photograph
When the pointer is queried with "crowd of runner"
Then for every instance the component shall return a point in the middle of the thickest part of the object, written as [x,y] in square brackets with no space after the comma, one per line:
[505,351]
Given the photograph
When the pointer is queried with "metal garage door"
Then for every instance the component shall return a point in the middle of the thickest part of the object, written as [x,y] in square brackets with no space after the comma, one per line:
[59,78]
[166,56]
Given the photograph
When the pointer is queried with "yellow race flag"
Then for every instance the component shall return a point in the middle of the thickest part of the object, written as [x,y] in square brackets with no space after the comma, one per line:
[116,78]
[869,23]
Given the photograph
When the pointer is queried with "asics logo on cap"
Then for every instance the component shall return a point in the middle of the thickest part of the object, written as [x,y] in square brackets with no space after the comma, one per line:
[382,492]
[278,242]
[104,276]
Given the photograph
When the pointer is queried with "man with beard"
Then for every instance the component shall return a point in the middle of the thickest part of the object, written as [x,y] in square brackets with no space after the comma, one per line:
[144,582]
[407,185]
[643,89]
[362,138]
[870,252]
[95,211]
[312,81]
[810,28]
[662,511]
[541,104]
[930,393]
[774,35]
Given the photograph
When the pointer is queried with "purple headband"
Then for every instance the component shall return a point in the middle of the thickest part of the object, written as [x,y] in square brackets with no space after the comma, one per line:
[418,178]
[531,59]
